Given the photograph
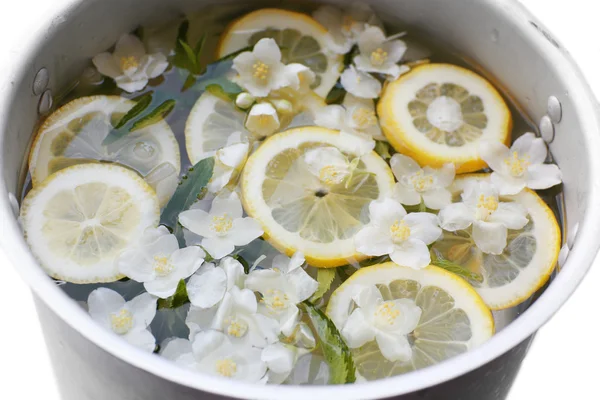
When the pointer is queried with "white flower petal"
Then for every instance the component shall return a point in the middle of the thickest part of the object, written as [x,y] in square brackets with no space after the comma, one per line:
[512,215]
[296,261]
[102,302]
[142,339]
[300,76]
[197,221]
[289,320]
[218,247]
[162,287]
[263,119]
[130,86]
[200,319]
[455,217]
[261,280]
[133,264]
[423,226]
[394,348]
[174,348]
[523,144]
[129,46]
[370,39]
[207,287]
[157,65]
[163,245]
[385,211]
[494,154]
[279,358]
[267,51]
[409,317]
[360,84]
[445,175]
[543,176]
[367,297]
[490,237]
[230,205]
[331,117]
[303,283]
[537,151]
[233,155]
[406,194]
[372,241]
[436,199]
[187,261]
[143,308]
[507,184]
[207,342]
[403,166]
[357,330]
[395,50]
[411,253]
[235,272]
[244,230]
[105,64]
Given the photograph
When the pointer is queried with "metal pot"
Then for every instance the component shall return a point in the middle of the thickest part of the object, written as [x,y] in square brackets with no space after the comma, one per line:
[501,37]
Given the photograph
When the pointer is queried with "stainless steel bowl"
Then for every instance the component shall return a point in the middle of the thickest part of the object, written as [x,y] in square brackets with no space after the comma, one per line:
[506,41]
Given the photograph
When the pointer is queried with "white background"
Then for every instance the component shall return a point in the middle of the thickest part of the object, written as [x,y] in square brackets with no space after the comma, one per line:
[562,362]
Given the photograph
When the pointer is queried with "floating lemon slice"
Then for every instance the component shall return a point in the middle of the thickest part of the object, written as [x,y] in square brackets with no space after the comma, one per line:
[453,319]
[527,261]
[213,124]
[439,113]
[74,134]
[79,219]
[300,37]
[297,210]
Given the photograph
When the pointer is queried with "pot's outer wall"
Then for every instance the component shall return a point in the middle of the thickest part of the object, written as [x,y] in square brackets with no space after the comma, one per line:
[86,372]
[512,49]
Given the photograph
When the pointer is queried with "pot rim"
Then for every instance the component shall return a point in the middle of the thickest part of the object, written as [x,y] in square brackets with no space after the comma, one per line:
[580,258]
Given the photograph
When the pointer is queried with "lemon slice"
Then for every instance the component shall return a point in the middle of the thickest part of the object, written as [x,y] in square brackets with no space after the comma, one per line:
[79,219]
[300,37]
[74,134]
[453,319]
[213,124]
[300,213]
[439,113]
[525,265]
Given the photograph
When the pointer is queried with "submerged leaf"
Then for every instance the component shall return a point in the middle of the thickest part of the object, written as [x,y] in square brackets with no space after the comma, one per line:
[325,277]
[158,114]
[439,261]
[142,103]
[336,351]
[243,262]
[383,149]
[177,300]
[189,190]
[217,90]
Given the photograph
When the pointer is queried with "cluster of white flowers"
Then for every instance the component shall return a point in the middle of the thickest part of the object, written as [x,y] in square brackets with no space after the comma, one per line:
[235,335]
[264,77]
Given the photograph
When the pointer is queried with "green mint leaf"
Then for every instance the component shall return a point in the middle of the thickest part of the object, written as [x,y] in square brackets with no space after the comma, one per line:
[191,54]
[439,261]
[158,114]
[383,149]
[190,188]
[325,277]
[142,103]
[335,350]
[199,48]
[243,262]
[231,56]
[336,94]
[227,93]
[177,300]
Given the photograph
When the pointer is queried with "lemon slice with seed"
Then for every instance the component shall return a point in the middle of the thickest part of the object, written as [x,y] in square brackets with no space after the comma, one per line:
[297,210]
[439,113]
[79,219]
[453,319]
[525,265]
[213,123]
[300,37]
[74,134]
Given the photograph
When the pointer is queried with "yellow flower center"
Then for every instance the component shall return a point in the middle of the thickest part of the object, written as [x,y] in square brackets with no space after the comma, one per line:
[331,175]
[236,327]
[122,321]
[221,224]
[162,266]
[260,71]
[128,63]
[387,313]
[347,24]
[275,300]
[516,165]
[399,231]
[226,367]
[421,182]
[363,117]
[486,206]
[378,57]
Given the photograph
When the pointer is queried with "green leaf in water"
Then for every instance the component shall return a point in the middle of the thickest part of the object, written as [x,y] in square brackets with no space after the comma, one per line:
[191,54]
[177,300]
[158,114]
[383,149]
[243,262]
[142,103]
[217,90]
[439,261]
[191,188]
[336,94]
[336,351]
[325,277]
